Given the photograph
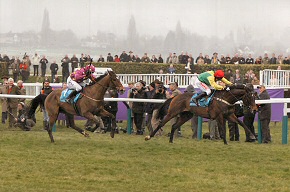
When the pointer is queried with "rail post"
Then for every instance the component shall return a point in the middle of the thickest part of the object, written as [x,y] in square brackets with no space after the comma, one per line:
[199,128]
[285,125]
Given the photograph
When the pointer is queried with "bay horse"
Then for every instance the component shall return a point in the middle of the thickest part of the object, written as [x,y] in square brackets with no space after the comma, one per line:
[220,108]
[91,103]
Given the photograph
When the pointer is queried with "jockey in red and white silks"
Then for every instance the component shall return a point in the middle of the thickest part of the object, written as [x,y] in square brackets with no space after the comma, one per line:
[76,79]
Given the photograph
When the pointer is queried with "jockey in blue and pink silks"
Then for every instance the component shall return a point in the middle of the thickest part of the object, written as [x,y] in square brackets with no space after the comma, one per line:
[76,80]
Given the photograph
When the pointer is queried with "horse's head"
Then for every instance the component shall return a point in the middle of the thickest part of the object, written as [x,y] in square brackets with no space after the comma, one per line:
[249,98]
[115,82]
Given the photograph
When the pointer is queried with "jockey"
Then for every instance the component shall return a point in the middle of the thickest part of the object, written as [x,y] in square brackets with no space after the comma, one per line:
[76,80]
[207,80]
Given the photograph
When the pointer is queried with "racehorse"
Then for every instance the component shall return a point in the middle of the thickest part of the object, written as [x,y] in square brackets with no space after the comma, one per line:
[220,108]
[91,103]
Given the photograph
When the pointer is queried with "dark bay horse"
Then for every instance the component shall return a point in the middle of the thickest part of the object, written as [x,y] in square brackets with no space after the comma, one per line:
[91,103]
[221,108]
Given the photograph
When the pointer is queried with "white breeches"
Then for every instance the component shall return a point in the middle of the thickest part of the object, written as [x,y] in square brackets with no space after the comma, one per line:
[71,84]
[202,86]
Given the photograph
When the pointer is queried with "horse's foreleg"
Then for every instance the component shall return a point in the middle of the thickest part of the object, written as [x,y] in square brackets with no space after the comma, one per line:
[233,118]
[73,125]
[161,124]
[222,128]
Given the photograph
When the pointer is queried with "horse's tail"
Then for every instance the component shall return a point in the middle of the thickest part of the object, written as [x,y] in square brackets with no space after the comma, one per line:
[162,110]
[38,100]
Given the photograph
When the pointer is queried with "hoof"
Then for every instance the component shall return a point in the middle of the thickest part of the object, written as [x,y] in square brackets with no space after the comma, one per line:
[147,138]
[86,134]
[252,137]
[112,134]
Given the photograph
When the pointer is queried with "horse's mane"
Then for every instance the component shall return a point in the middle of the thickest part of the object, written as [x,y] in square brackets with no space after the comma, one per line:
[101,77]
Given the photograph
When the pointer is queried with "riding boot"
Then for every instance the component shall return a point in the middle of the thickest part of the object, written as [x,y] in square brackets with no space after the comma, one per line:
[71,95]
[195,100]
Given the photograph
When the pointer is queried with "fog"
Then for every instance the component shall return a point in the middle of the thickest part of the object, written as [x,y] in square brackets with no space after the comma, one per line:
[264,20]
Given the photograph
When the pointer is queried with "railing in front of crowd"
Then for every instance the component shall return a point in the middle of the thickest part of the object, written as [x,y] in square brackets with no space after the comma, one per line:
[181,79]
[275,78]
[276,100]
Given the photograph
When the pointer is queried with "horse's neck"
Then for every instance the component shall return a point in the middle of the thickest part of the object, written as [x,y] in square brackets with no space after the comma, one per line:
[98,90]
[231,96]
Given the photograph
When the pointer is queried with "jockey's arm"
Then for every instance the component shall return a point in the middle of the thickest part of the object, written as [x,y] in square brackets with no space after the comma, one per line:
[212,82]
[227,82]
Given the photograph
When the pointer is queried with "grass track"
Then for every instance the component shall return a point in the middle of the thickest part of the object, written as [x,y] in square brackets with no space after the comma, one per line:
[29,162]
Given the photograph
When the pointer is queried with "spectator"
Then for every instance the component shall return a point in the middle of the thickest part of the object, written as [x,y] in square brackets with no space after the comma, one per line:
[138,107]
[185,58]
[173,86]
[180,57]
[228,59]
[255,81]
[159,93]
[200,60]
[46,90]
[65,68]
[131,57]
[149,106]
[83,59]
[138,60]
[214,59]
[3,90]
[53,69]
[153,59]
[145,58]
[242,59]
[117,60]
[43,62]
[160,59]
[258,60]
[237,77]
[273,60]
[22,90]
[249,117]
[124,57]
[265,114]
[174,58]
[74,62]
[223,59]
[213,130]
[171,69]
[15,69]
[57,80]
[24,68]
[110,58]
[35,63]
[169,58]
[207,60]
[266,59]
[280,60]
[101,59]
[199,57]
[21,120]
[250,60]
[189,66]
[111,107]
[12,103]
[235,59]
[229,75]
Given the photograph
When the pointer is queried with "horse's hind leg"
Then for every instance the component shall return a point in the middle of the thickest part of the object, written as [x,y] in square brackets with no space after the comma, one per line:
[184,116]
[52,120]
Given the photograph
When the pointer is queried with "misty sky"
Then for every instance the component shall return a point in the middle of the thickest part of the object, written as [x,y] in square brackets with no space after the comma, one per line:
[153,17]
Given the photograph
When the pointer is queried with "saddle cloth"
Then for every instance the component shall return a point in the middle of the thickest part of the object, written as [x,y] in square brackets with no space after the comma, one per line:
[203,102]
[65,93]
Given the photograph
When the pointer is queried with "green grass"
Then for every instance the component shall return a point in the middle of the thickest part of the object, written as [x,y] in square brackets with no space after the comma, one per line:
[29,162]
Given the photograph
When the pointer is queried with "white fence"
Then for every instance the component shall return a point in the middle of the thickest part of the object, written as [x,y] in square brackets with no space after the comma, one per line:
[275,78]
